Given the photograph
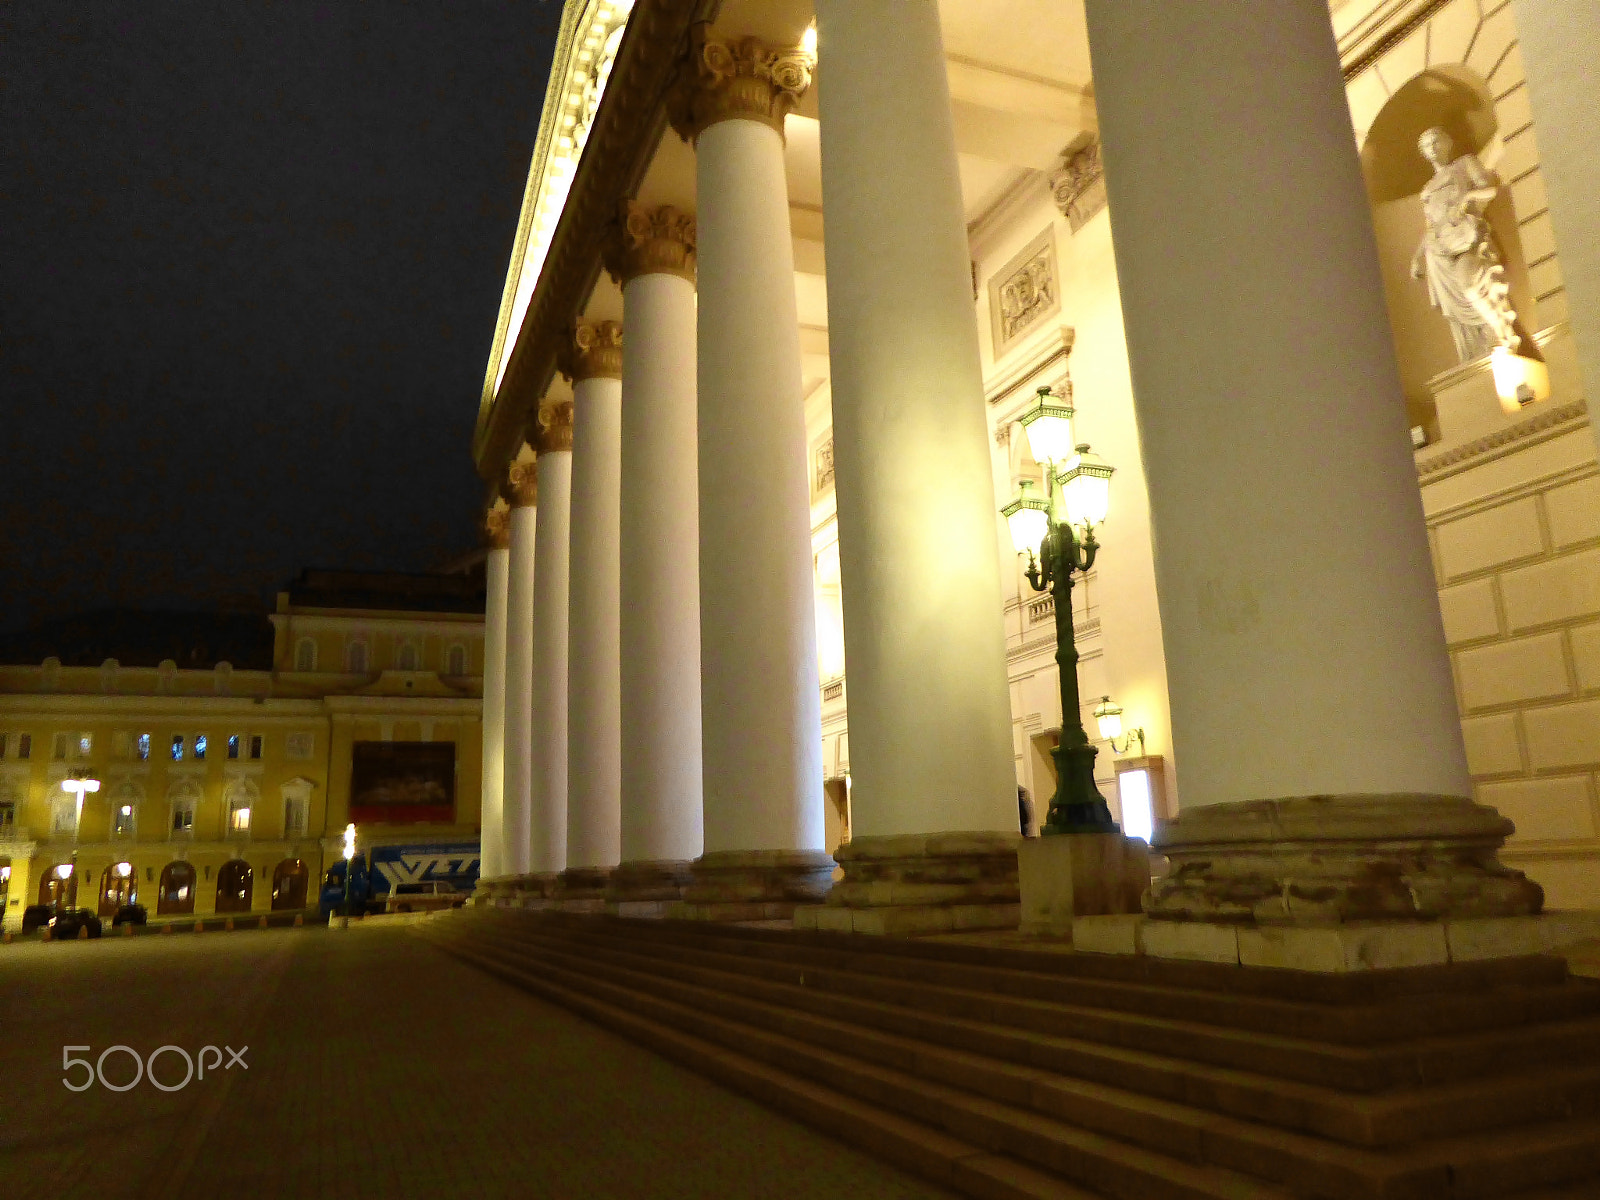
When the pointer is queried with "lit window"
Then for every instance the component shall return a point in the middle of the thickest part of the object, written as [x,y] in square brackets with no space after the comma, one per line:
[143,746]
[239,818]
[458,660]
[200,745]
[85,744]
[233,745]
[255,745]
[122,821]
[58,746]
[177,747]
[305,655]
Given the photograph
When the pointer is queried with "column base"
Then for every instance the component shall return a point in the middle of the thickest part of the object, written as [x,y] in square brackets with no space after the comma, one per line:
[582,889]
[753,885]
[533,891]
[646,888]
[1337,949]
[1070,875]
[906,884]
[1328,860]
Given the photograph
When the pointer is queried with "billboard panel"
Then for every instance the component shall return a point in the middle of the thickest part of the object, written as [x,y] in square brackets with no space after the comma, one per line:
[403,783]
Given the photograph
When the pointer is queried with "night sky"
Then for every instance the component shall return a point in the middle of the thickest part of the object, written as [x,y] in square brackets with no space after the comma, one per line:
[251,256]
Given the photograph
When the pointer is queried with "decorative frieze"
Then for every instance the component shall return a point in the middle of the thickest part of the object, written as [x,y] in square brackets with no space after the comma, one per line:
[730,80]
[1079,185]
[593,351]
[554,428]
[1024,292]
[522,485]
[650,241]
[497,528]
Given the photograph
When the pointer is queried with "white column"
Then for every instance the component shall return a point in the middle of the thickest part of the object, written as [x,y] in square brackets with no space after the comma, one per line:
[548,854]
[1305,654]
[491,813]
[660,621]
[762,709]
[930,711]
[594,689]
[1559,42]
[517,796]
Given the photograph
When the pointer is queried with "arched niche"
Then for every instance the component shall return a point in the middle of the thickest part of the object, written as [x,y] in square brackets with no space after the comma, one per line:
[1456,100]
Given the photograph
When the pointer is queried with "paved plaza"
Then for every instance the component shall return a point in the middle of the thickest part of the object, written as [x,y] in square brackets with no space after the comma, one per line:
[377,1066]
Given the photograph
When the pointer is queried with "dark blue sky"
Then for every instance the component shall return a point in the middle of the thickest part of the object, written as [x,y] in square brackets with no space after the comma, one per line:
[250,260]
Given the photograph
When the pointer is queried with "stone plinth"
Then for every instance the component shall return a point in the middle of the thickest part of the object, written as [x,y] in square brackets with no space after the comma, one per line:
[646,889]
[1338,949]
[532,891]
[582,889]
[753,885]
[1329,860]
[1065,876]
[922,883]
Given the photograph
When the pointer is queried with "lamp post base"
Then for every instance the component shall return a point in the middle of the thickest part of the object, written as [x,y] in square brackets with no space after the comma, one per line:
[1077,806]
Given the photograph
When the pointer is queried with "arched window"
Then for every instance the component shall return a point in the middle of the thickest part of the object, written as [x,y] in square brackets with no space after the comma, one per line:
[305,655]
[184,796]
[356,658]
[457,661]
[289,885]
[119,885]
[176,894]
[59,887]
[243,799]
[407,658]
[235,884]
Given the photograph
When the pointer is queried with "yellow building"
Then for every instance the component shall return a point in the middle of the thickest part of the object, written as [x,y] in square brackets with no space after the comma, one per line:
[224,784]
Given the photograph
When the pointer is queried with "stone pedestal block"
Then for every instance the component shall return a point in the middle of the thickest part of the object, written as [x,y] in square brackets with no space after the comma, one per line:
[753,885]
[582,889]
[1328,860]
[533,891]
[645,889]
[922,883]
[1065,876]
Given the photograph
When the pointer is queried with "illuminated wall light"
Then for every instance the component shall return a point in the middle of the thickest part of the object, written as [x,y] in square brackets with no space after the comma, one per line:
[1518,380]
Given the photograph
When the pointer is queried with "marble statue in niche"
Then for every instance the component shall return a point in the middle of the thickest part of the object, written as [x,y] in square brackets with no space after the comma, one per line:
[1457,255]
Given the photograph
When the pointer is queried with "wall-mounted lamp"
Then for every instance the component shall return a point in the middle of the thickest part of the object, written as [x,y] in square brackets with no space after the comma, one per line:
[1109,717]
[1518,380]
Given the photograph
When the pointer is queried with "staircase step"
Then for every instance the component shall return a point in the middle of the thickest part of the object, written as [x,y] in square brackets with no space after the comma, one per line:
[1036,1148]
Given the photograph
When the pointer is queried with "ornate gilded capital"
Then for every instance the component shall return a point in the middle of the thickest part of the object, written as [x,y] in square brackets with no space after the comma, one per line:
[555,428]
[593,350]
[522,485]
[497,528]
[650,241]
[723,81]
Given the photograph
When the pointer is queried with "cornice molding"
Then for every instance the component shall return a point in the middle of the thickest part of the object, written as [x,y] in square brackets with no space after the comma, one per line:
[626,128]
[1573,414]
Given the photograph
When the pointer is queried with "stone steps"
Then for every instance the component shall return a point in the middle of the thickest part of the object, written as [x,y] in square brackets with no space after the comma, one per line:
[1116,1117]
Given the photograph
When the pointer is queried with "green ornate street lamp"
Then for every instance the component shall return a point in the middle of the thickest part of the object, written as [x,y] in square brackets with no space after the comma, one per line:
[1058,543]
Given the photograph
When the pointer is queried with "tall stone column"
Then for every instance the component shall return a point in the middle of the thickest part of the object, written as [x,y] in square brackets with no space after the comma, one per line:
[1558,43]
[652,256]
[497,527]
[517,795]
[1305,654]
[593,362]
[930,711]
[553,442]
[762,708]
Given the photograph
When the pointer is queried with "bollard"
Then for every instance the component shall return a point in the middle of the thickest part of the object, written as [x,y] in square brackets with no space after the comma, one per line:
[44,933]
[199,926]
[6,937]
[83,933]
[298,920]
[166,928]
[263,922]
[228,925]
[127,931]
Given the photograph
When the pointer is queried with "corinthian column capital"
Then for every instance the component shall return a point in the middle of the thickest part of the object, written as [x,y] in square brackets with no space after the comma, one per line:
[497,528]
[522,485]
[650,241]
[724,80]
[593,351]
[554,427]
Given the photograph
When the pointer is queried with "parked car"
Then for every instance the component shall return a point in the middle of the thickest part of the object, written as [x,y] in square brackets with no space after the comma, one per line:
[426,896]
[36,916]
[130,914]
[67,922]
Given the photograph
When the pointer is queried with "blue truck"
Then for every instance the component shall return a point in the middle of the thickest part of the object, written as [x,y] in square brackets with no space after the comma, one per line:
[383,874]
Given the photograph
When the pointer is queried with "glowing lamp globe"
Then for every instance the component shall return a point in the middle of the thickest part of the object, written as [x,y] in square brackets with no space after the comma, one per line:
[1086,488]
[1108,717]
[1048,425]
[1029,518]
